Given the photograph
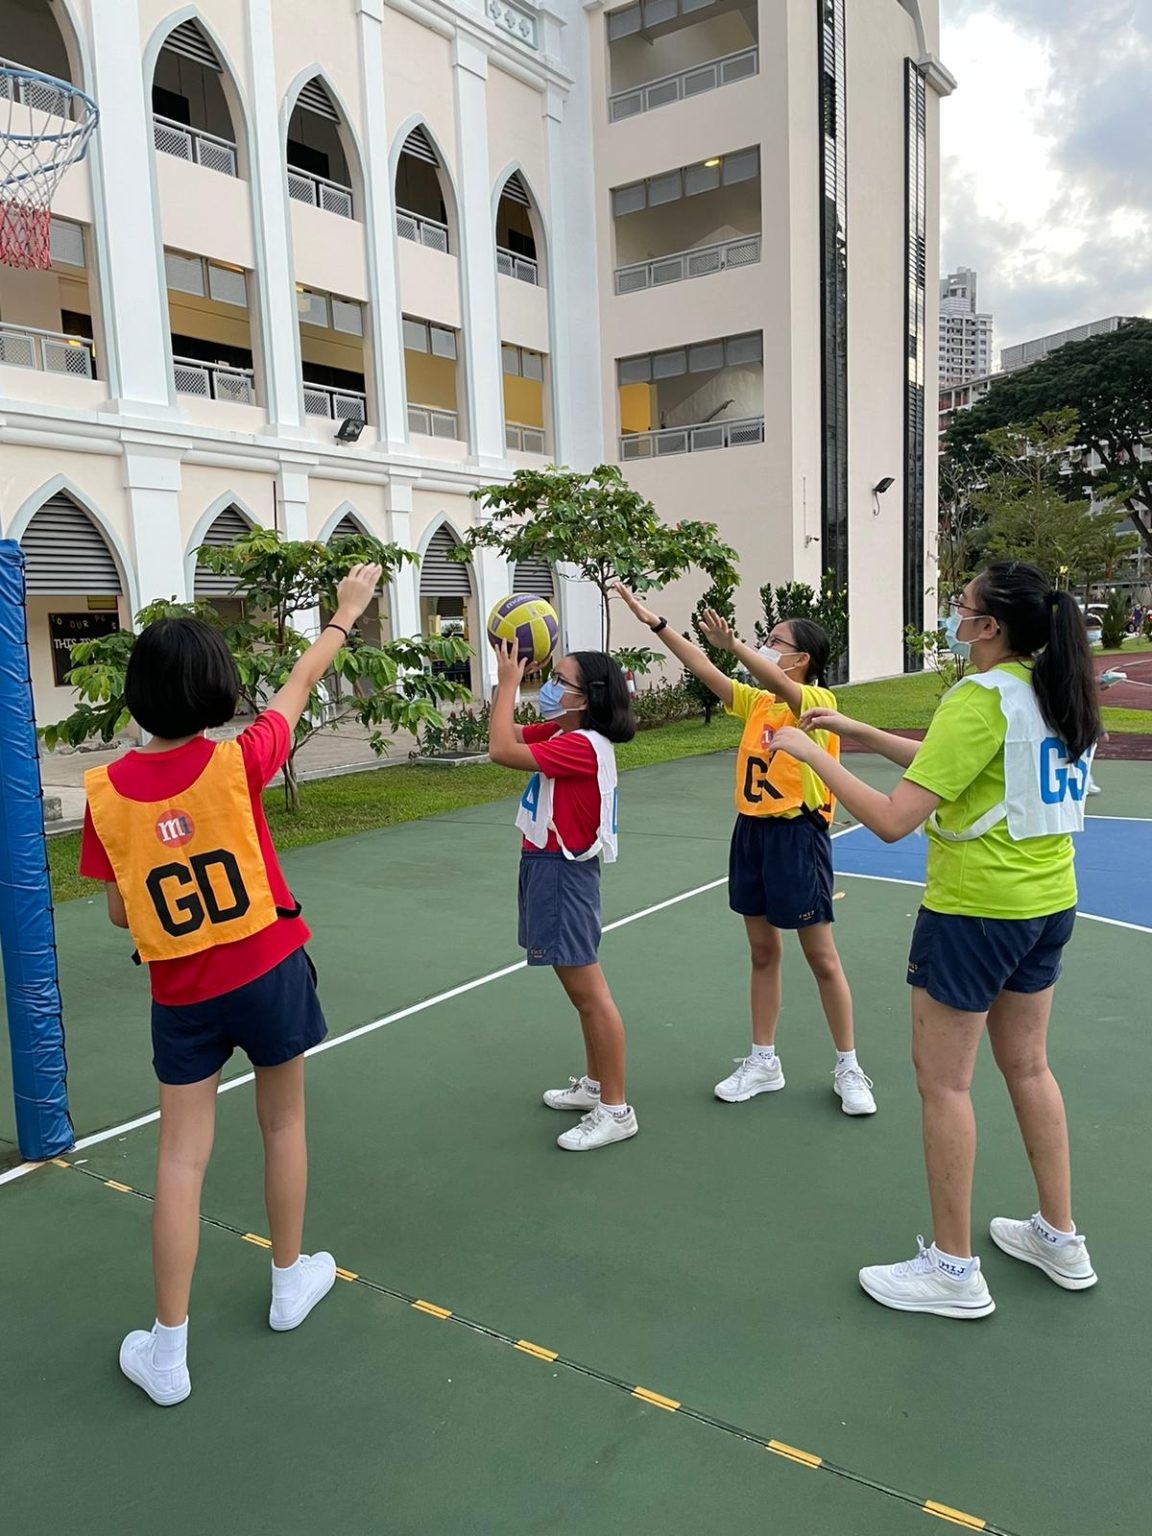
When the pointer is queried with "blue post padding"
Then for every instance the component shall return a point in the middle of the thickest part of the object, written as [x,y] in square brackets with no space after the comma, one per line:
[27,932]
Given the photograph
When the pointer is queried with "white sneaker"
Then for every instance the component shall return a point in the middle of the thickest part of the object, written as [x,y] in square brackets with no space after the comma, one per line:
[1066,1263]
[1093,787]
[854,1091]
[751,1077]
[138,1362]
[919,1285]
[598,1129]
[314,1277]
[577,1095]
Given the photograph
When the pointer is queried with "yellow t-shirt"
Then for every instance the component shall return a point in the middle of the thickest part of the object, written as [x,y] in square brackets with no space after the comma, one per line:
[768,785]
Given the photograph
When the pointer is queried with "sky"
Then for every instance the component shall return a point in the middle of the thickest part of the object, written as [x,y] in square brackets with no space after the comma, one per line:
[1046,159]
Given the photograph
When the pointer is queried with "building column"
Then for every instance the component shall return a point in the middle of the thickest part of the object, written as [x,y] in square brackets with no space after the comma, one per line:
[153,481]
[493,578]
[126,217]
[292,517]
[384,331]
[276,314]
[405,614]
[484,377]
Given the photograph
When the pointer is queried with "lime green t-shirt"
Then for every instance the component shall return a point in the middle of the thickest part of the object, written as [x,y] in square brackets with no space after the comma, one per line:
[962,761]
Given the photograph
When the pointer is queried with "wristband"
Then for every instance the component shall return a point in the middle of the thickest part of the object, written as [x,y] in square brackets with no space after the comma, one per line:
[340,627]
[656,628]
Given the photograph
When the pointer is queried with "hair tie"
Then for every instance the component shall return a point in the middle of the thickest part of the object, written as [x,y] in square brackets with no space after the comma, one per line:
[1053,600]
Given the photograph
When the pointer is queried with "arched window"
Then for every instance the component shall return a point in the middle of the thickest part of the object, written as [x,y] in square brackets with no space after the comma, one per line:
[422,196]
[65,553]
[318,168]
[226,529]
[191,118]
[30,36]
[446,599]
[517,244]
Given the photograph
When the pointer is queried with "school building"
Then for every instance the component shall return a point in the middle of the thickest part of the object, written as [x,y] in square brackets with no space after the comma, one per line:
[333,266]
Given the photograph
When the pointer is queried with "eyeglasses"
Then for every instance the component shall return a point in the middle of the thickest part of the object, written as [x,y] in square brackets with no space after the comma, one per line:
[778,641]
[567,683]
[956,605]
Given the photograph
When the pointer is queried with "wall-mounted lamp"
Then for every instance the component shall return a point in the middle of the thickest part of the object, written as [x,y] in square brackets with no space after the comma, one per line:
[349,430]
[878,490]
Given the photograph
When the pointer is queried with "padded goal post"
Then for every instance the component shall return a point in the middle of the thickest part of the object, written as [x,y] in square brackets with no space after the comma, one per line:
[27,928]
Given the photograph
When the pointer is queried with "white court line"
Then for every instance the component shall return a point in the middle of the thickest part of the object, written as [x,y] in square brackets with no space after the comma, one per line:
[1103,816]
[1091,917]
[392,1018]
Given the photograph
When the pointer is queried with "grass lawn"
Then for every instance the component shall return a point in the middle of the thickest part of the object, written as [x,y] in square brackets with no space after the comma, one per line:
[361,802]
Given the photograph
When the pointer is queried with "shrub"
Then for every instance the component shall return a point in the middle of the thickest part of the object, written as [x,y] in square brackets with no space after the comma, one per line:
[1114,621]
[465,732]
[665,703]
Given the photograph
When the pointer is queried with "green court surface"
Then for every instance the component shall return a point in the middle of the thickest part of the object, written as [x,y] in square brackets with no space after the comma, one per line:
[711,1261]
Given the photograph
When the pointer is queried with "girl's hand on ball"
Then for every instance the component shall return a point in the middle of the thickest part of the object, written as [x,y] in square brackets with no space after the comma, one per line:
[795,743]
[828,720]
[357,590]
[510,667]
[645,615]
[717,631]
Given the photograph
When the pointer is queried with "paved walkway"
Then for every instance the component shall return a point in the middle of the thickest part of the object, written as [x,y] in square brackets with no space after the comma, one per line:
[328,753]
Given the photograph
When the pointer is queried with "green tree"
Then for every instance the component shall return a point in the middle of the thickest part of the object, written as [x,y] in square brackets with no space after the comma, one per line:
[599,524]
[1107,381]
[720,597]
[797,600]
[384,687]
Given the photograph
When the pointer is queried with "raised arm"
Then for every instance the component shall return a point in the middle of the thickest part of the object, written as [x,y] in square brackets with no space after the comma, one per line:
[891,817]
[353,595]
[719,633]
[684,651]
[897,749]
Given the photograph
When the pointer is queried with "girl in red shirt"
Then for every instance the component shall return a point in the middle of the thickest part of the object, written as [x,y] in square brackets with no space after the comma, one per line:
[177,832]
[568,817]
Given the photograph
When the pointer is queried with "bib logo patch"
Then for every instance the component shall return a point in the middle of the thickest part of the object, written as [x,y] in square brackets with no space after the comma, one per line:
[174,828]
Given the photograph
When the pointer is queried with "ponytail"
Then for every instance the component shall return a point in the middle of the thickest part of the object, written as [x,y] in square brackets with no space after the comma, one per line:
[1046,624]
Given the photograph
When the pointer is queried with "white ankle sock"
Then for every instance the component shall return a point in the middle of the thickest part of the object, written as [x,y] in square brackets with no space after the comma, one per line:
[1050,1234]
[592,1086]
[762,1054]
[617,1111]
[955,1268]
[171,1347]
[847,1059]
[285,1280]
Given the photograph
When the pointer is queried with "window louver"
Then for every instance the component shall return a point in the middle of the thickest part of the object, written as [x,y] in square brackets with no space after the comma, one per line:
[190,43]
[533,578]
[440,575]
[224,532]
[65,553]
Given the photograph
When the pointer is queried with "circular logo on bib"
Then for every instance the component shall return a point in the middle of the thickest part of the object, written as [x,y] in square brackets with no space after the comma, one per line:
[175,828]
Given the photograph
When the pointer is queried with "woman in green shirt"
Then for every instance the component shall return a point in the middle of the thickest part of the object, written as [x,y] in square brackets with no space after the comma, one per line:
[1000,779]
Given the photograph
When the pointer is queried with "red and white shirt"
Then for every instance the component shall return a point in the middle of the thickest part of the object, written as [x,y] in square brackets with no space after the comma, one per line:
[570,759]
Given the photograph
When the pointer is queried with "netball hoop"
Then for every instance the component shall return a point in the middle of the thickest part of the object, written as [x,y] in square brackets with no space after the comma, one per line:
[45,126]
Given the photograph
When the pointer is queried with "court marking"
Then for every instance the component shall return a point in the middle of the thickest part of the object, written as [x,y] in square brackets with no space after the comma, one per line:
[422,1006]
[1090,917]
[807,1459]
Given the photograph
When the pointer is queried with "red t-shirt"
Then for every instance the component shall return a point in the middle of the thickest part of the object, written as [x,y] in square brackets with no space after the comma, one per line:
[163,775]
[570,759]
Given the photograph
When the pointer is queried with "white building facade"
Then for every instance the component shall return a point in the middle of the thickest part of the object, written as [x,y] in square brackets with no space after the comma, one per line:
[695,239]
[965,345]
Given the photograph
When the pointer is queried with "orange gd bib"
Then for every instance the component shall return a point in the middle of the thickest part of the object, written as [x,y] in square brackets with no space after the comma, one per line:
[189,868]
[771,783]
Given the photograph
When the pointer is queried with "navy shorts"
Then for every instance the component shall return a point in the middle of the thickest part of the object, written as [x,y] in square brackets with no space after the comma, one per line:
[559,909]
[271,1019]
[781,869]
[966,962]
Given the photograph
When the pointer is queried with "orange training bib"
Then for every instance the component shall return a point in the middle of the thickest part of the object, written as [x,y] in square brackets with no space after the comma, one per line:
[189,868]
[770,783]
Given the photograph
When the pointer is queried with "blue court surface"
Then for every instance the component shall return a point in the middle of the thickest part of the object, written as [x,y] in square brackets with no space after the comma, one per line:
[1113,866]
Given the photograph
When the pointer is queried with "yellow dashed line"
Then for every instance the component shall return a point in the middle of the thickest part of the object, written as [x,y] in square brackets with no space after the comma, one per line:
[112,1184]
[955,1516]
[534,1349]
[668,1403]
[347,1274]
[261,1242]
[432,1311]
[805,1458]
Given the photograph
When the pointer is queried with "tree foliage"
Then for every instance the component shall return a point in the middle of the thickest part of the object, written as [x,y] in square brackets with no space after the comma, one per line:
[1107,381]
[797,600]
[598,523]
[384,687]
[721,597]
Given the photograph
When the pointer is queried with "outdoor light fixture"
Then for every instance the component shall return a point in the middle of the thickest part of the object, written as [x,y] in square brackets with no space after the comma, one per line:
[711,163]
[878,490]
[349,430]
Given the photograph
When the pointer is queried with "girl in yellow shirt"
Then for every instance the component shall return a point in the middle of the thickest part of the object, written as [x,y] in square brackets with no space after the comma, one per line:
[780,865]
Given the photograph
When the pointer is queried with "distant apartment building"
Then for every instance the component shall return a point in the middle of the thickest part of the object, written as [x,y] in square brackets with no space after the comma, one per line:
[965,345]
[1027,352]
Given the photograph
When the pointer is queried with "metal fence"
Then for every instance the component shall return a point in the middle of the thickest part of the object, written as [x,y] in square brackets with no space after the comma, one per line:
[336,404]
[508,264]
[214,381]
[193,144]
[696,439]
[522,439]
[320,192]
[680,266]
[429,421]
[23,346]
[429,232]
[689,82]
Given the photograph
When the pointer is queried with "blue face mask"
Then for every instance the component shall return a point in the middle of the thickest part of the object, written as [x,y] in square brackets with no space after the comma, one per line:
[551,700]
[958,647]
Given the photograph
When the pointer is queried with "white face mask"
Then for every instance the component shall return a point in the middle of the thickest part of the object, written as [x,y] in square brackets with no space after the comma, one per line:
[777,658]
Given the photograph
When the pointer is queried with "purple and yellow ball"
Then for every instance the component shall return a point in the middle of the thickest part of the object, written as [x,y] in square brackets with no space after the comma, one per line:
[530,624]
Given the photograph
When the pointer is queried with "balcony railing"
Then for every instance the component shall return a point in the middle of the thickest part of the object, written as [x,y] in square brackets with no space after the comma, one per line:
[336,404]
[40,95]
[522,439]
[689,82]
[193,144]
[697,439]
[429,232]
[320,192]
[430,421]
[214,381]
[508,264]
[701,262]
[23,346]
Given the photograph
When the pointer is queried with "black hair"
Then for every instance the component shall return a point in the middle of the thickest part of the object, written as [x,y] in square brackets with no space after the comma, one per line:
[1040,622]
[181,679]
[608,707]
[809,636]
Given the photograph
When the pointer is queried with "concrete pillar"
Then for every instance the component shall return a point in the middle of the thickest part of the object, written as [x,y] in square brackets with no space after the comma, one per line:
[405,614]
[153,481]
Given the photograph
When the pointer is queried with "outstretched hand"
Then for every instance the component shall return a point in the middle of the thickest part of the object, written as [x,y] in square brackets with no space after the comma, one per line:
[717,632]
[357,590]
[645,615]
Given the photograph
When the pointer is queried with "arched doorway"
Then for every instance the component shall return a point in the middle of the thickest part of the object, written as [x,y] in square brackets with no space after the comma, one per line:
[447,600]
